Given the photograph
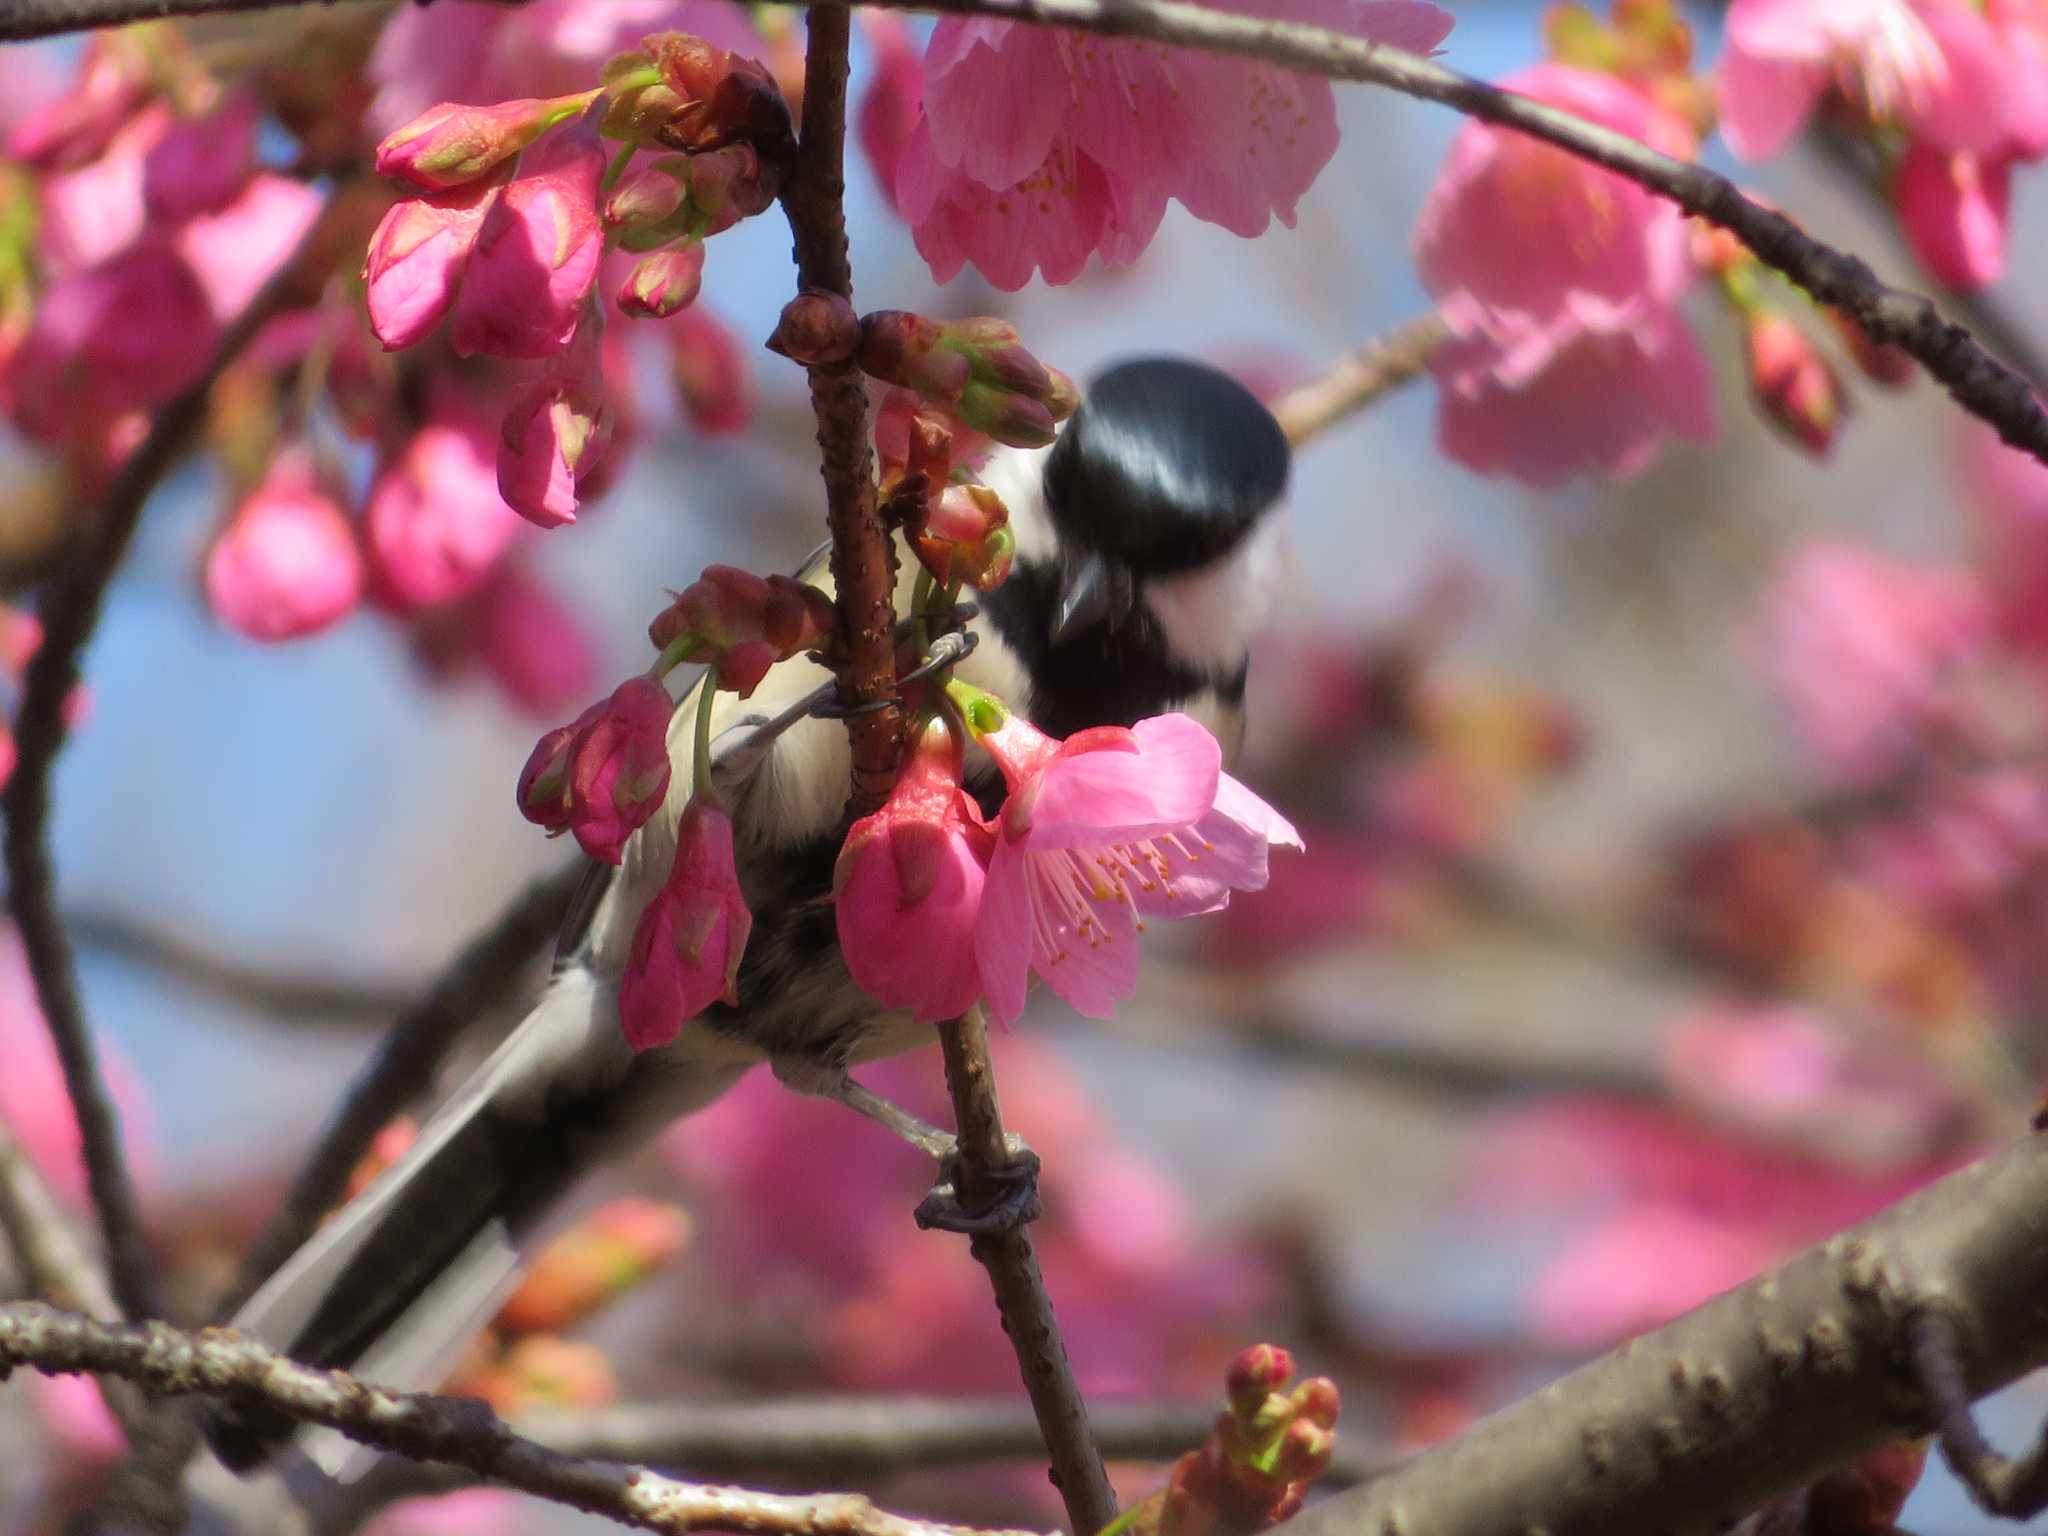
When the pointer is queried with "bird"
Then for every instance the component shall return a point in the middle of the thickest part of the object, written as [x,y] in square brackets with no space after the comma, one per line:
[1147,552]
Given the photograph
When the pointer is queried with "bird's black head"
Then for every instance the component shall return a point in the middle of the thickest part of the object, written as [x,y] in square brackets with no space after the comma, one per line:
[1166,466]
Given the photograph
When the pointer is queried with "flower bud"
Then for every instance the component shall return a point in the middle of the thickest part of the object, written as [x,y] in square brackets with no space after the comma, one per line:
[902,348]
[1794,387]
[1317,1401]
[542,1371]
[287,565]
[966,537]
[725,99]
[713,382]
[651,206]
[554,439]
[602,776]
[416,259]
[1304,1452]
[691,937]
[536,255]
[817,329]
[1257,1372]
[663,283]
[742,624]
[1015,419]
[594,1263]
[1884,365]
[452,144]
[201,163]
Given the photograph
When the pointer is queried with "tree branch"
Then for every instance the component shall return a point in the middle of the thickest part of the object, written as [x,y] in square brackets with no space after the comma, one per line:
[1012,1264]
[69,609]
[1758,1392]
[863,558]
[459,1431]
[1981,384]
[23,20]
[487,974]
[1356,380]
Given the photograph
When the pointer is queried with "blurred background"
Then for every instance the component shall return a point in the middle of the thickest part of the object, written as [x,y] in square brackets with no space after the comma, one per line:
[1676,882]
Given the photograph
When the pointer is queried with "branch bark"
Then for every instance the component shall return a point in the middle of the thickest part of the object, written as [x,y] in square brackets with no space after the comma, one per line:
[24,20]
[1754,1394]
[69,610]
[1011,1260]
[459,1431]
[487,974]
[1386,362]
[863,557]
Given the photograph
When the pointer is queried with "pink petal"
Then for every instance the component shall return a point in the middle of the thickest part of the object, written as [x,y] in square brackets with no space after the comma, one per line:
[1091,974]
[1084,799]
[1002,933]
[995,96]
[1764,101]
[920,957]
[1952,210]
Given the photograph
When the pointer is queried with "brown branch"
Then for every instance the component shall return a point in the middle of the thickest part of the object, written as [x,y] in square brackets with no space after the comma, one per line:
[1354,382]
[1758,1392]
[863,557]
[69,609]
[23,20]
[1012,1264]
[487,974]
[1981,384]
[460,1431]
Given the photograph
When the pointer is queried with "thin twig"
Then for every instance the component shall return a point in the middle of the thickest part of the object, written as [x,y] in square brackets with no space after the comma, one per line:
[2015,1489]
[460,1431]
[1386,362]
[69,610]
[1012,1264]
[863,558]
[24,20]
[488,973]
[1980,383]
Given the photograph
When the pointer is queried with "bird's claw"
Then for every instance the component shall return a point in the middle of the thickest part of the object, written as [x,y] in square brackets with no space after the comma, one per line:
[1012,1201]
[948,650]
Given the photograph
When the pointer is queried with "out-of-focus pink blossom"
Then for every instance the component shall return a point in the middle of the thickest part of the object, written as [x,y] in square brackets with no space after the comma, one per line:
[1793,384]
[416,259]
[201,163]
[536,257]
[236,250]
[52,128]
[890,107]
[29,82]
[1099,832]
[909,883]
[1038,149]
[96,209]
[75,1418]
[534,645]
[555,437]
[1598,404]
[1952,210]
[713,378]
[435,524]
[688,946]
[1857,646]
[286,565]
[471,1512]
[2009,495]
[603,775]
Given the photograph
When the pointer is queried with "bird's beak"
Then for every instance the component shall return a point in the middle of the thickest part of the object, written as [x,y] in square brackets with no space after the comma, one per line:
[1092,593]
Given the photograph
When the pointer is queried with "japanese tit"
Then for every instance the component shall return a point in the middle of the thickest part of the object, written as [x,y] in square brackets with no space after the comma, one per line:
[1146,547]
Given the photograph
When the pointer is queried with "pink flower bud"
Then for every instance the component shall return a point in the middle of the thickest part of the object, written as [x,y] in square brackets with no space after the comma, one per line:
[602,776]
[1256,1373]
[537,254]
[651,206]
[555,436]
[1318,1401]
[743,624]
[1015,419]
[902,348]
[452,143]
[966,537]
[908,886]
[663,283]
[688,946]
[287,564]
[201,163]
[714,384]
[416,260]
[531,643]
[1794,387]
[435,523]
[726,98]
[1304,1453]
[816,329]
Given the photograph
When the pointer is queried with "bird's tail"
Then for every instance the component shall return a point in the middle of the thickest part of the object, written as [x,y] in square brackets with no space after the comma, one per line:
[394,1286]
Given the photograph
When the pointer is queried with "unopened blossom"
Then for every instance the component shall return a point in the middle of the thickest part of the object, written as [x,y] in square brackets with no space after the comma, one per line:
[687,948]
[741,624]
[287,564]
[602,776]
[555,436]
[435,524]
[966,537]
[1038,149]
[201,163]
[1857,646]
[416,260]
[537,254]
[531,643]
[452,143]
[1099,832]
[714,382]
[96,209]
[908,886]
[1794,386]
[663,282]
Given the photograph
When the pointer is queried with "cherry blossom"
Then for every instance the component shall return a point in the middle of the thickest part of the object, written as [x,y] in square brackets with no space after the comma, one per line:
[603,775]
[688,945]
[286,565]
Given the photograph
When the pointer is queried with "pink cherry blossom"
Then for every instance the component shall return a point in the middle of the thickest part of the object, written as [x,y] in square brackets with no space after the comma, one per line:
[435,524]
[452,143]
[416,259]
[74,1417]
[1100,832]
[603,776]
[1952,210]
[287,565]
[890,107]
[1857,646]
[235,250]
[555,437]
[536,257]
[687,948]
[96,209]
[469,1512]
[909,884]
[2008,492]
[714,381]
[202,163]
[532,643]
[1038,149]
[1598,404]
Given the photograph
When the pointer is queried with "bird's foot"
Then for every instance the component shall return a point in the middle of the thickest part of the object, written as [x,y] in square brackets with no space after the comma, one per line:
[1009,1202]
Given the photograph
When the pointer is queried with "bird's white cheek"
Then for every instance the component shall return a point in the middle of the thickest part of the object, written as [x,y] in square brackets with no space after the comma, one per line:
[1209,616]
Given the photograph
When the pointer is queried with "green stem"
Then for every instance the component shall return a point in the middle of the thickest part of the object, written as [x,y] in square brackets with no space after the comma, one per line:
[681,649]
[700,782]
[617,168]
